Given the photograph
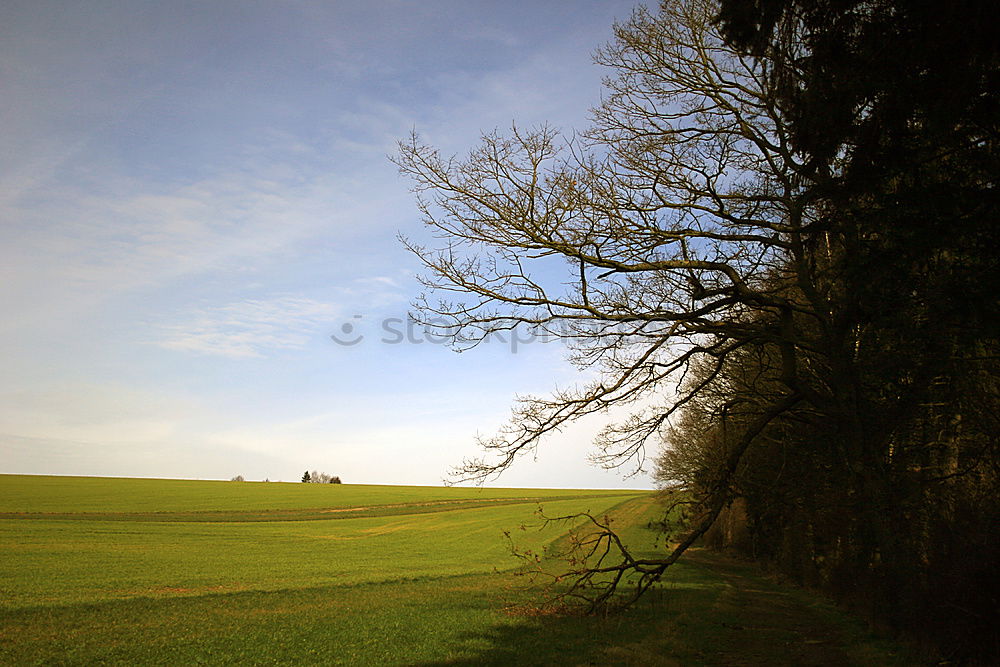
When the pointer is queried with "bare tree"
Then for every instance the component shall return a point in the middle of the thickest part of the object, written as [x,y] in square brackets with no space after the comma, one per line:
[317,477]
[676,231]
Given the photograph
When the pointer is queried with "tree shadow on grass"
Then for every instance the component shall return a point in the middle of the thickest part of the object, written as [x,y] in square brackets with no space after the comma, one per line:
[714,611]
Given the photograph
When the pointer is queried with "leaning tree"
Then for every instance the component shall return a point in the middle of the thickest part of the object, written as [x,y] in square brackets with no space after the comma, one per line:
[677,232]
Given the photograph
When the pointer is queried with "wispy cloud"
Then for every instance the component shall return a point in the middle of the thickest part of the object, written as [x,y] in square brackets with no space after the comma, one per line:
[251,328]
[75,250]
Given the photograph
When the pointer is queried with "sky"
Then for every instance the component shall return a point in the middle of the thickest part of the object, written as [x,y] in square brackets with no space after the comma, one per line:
[195,198]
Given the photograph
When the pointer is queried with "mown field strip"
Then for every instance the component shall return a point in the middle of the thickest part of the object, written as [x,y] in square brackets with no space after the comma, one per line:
[304,514]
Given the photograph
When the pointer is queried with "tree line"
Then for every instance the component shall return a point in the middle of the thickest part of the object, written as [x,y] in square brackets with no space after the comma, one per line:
[776,247]
[316,477]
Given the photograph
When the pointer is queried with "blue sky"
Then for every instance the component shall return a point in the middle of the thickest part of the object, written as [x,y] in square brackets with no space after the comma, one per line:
[195,195]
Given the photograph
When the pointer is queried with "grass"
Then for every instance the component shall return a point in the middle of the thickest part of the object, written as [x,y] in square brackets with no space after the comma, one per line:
[424,580]
[51,494]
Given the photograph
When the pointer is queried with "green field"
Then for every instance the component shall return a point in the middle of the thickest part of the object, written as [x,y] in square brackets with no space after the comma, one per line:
[134,571]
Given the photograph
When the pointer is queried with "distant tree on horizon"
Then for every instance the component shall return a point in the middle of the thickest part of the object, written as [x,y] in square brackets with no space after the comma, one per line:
[317,477]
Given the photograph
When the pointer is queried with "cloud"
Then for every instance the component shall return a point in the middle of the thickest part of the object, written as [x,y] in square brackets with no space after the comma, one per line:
[68,250]
[251,328]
